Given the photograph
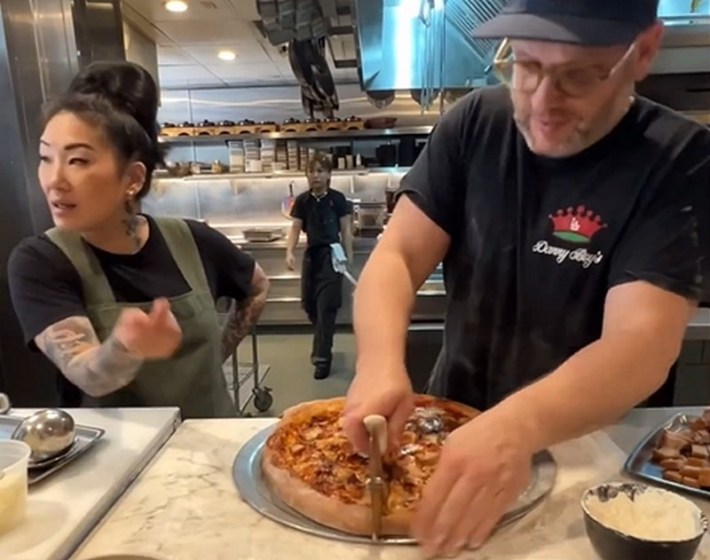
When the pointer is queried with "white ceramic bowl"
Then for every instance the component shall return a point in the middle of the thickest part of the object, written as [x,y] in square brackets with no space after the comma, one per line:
[632,521]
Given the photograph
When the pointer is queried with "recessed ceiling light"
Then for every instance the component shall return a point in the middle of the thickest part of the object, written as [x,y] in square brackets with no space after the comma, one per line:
[227,55]
[177,6]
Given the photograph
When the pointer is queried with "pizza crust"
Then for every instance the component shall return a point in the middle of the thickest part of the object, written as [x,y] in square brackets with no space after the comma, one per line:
[353,519]
[311,408]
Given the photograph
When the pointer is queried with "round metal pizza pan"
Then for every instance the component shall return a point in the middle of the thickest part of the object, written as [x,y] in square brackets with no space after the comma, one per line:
[254,490]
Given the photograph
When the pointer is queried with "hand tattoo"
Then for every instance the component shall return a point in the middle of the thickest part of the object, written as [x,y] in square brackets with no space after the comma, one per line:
[96,368]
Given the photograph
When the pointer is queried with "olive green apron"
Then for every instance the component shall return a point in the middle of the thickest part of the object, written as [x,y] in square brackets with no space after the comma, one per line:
[192,379]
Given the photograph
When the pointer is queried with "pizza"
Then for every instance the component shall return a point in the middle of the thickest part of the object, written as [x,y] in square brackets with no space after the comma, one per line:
[310,465]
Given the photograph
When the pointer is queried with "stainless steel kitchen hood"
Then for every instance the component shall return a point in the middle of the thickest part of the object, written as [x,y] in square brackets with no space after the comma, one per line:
[418,44]
[395,40]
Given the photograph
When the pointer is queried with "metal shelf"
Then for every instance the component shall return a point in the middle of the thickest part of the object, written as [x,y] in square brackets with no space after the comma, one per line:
[285,174]
[332,134]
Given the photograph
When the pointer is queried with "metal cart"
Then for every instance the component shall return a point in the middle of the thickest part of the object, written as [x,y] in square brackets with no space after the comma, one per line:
[250,376]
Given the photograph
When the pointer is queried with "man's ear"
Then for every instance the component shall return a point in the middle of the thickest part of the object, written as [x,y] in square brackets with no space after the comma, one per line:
[648,45]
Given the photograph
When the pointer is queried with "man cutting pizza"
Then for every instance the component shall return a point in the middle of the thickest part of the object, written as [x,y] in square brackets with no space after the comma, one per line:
[571,216]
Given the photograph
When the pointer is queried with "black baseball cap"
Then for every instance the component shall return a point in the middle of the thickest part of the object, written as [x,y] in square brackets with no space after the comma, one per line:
[597,23]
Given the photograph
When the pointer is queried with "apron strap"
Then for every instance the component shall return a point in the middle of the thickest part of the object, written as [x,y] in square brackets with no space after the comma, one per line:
[97,290]
[182,245]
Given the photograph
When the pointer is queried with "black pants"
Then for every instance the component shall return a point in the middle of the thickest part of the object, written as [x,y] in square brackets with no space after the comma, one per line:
[321,297]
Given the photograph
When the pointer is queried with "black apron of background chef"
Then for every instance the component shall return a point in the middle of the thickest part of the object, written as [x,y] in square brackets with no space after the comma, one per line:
[321,285]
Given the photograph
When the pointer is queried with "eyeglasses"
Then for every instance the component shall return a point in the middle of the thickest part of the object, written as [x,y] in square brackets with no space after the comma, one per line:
[525,76]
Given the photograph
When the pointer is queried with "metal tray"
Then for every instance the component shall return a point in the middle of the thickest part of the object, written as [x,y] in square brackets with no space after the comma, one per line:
[639,464]
[246,472]
[263,235]
[86,437]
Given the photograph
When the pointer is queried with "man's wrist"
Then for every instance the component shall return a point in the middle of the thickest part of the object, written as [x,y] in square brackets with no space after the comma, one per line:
[521,416]
[379,367]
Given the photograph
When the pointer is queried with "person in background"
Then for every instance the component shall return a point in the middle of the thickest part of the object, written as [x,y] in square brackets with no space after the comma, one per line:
[124,303]
[324,215]
[571,216]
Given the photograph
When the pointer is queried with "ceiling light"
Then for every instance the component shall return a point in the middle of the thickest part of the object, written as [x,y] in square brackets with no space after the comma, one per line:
[177,6]
[227,55]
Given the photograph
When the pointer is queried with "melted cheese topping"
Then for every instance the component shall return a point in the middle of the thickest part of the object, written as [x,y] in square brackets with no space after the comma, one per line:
[320,454]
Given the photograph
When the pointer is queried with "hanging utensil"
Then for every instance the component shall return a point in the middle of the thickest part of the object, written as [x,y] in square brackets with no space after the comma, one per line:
[376,426]
[287,203]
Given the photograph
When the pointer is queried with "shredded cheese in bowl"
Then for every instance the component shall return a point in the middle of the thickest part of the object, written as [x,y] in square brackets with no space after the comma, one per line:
[645,513]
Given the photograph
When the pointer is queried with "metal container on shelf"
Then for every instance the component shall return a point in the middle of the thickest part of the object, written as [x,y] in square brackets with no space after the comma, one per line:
[369,217]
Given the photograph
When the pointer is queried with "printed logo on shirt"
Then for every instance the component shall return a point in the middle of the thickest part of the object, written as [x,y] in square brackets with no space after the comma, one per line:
[577,227]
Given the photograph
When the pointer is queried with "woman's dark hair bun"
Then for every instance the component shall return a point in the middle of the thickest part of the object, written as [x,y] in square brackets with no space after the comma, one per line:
[127,86]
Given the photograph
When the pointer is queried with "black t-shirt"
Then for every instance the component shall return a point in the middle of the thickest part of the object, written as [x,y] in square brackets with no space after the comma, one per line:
[321,216]
[536,243]
[46,288]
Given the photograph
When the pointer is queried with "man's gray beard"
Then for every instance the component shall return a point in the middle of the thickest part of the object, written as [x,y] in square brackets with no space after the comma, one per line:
[575,144]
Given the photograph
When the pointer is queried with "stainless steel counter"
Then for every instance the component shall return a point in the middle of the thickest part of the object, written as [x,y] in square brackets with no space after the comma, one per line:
[284,306]
[699,327]
[63,509]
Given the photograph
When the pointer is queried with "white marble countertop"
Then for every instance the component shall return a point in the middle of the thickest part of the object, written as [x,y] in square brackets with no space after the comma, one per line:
[63,508]
[186,507]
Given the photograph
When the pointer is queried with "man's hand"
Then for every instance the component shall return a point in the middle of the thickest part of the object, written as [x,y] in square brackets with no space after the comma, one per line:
[484,466]
[149,336]
[290,261]
[390,395]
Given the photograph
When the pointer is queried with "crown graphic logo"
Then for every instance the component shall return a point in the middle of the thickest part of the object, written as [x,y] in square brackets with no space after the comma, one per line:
[577,226]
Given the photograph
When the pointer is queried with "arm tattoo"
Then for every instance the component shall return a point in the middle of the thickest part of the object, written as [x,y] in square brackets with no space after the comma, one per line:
[96,368]
[242,317]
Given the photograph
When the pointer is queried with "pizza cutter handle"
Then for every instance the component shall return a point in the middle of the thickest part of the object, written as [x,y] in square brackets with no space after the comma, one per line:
[376,425]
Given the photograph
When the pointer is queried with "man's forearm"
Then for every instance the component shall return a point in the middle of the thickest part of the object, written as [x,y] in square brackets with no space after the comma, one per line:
[96,368]
[242,318]
[292,240]
[592,389]
[384,299]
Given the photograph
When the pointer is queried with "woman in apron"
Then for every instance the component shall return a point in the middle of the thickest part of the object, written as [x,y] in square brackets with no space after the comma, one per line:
[124,303]
[324,215]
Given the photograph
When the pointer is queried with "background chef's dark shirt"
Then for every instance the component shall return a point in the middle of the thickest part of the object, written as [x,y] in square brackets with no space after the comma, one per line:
[321,216]
[537,242]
